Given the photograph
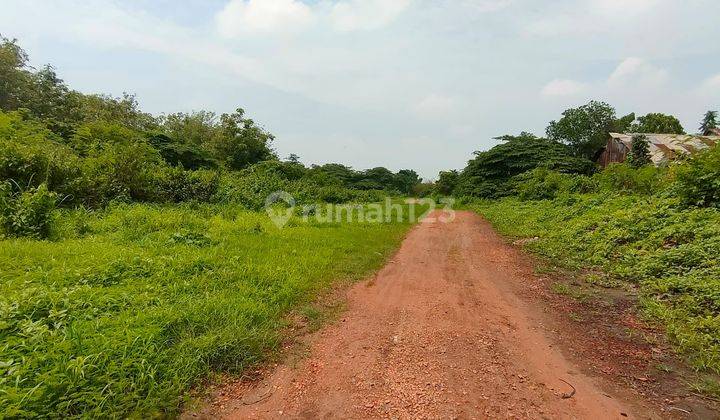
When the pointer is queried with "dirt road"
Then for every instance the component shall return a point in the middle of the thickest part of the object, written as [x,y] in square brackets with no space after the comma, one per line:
[439,333]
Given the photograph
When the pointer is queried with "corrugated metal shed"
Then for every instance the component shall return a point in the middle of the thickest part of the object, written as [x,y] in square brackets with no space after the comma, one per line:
[663,147]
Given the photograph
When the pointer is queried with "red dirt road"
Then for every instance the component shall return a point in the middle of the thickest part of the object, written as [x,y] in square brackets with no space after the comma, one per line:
[439,333]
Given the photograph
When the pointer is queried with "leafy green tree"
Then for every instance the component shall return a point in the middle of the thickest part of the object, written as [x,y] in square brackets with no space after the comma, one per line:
[293,158]
[333,174]
[709,123]
[447,181]
[624,124]
[177,153]
[639,151]
[51,100]
[124,110]
[14,76]
[586,128]
[62,109]
[487,174]
[30,155]
[657,123]
[199,127]
[378,178]
[406,180]
[241,143]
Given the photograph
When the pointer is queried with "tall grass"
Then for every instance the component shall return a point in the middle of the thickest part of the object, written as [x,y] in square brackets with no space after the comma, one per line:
[671,251]
[131,306]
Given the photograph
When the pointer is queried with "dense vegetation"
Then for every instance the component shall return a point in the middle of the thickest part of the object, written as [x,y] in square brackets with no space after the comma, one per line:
[62,148]
[133,262]
[131,305]
[572,146]
[657,227]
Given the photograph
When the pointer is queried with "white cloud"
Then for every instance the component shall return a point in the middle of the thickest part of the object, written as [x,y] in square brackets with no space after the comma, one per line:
[435,105]
[485,6]
[712,83]
[563,87]
[354,15]
[622,9]
[597,17]
[248,17]
[634,71]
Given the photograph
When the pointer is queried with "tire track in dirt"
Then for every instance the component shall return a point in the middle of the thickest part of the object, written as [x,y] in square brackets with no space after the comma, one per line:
[438,333]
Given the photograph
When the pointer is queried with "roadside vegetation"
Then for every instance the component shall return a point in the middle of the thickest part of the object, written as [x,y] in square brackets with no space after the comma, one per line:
[134,261]
[130,306]
[60,148]
[654,227]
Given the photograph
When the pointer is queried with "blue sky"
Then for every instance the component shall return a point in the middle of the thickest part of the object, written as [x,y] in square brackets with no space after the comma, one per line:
[398,83]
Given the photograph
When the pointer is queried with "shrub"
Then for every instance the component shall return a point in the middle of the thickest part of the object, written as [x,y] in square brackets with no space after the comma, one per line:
[640,151]
[173,184]
[31,155]
[623,178]
[185,154]
[697,180]
[121,171]
[28,213]
[249,188]
[540,184]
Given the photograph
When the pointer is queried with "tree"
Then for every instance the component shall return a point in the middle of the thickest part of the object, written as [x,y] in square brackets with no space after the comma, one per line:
[198,127]
[241,143]
[586,128]
[624,124]
[378,178]
[334,173]
[406,180]
[293,158]
[178,153]
[486,174]
[124,110]
[639,151]
[657,123]
[709,123]
[14,76]
[447,181]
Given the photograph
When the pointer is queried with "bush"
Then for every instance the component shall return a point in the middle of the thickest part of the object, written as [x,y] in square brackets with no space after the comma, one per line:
[697,181]
[540,184]
[646,180]
[120,171]
[173,184]
[639,151]
[28,213]
[31,155]
[249,188]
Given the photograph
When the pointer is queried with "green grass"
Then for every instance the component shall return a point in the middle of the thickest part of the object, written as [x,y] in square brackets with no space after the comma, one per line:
[130,307]
[672,253]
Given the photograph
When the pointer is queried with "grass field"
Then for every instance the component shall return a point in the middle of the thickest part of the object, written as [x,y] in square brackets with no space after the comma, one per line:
[672,252]
[128,308]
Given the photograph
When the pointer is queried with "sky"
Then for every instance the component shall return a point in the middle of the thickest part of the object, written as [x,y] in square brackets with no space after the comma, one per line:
[417,84]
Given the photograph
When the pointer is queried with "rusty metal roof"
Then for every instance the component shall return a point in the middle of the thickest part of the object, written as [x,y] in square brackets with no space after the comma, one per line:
[665,147]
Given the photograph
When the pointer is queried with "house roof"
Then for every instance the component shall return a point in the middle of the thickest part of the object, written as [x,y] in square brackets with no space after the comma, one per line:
[664,147]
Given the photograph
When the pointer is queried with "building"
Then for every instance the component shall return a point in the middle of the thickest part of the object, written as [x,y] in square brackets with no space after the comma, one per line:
[663,147]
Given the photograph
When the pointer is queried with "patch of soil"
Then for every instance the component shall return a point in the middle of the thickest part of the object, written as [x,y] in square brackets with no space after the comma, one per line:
[458,325]
[599,329]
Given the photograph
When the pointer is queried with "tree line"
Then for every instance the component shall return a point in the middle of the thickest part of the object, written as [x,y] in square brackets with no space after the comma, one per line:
[90,149]
[571,145]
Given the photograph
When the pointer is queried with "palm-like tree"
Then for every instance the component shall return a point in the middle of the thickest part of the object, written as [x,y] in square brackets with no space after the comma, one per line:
[709,123]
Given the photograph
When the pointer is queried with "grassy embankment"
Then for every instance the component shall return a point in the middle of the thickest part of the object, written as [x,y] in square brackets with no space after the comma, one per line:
[131,306]
[671,252]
